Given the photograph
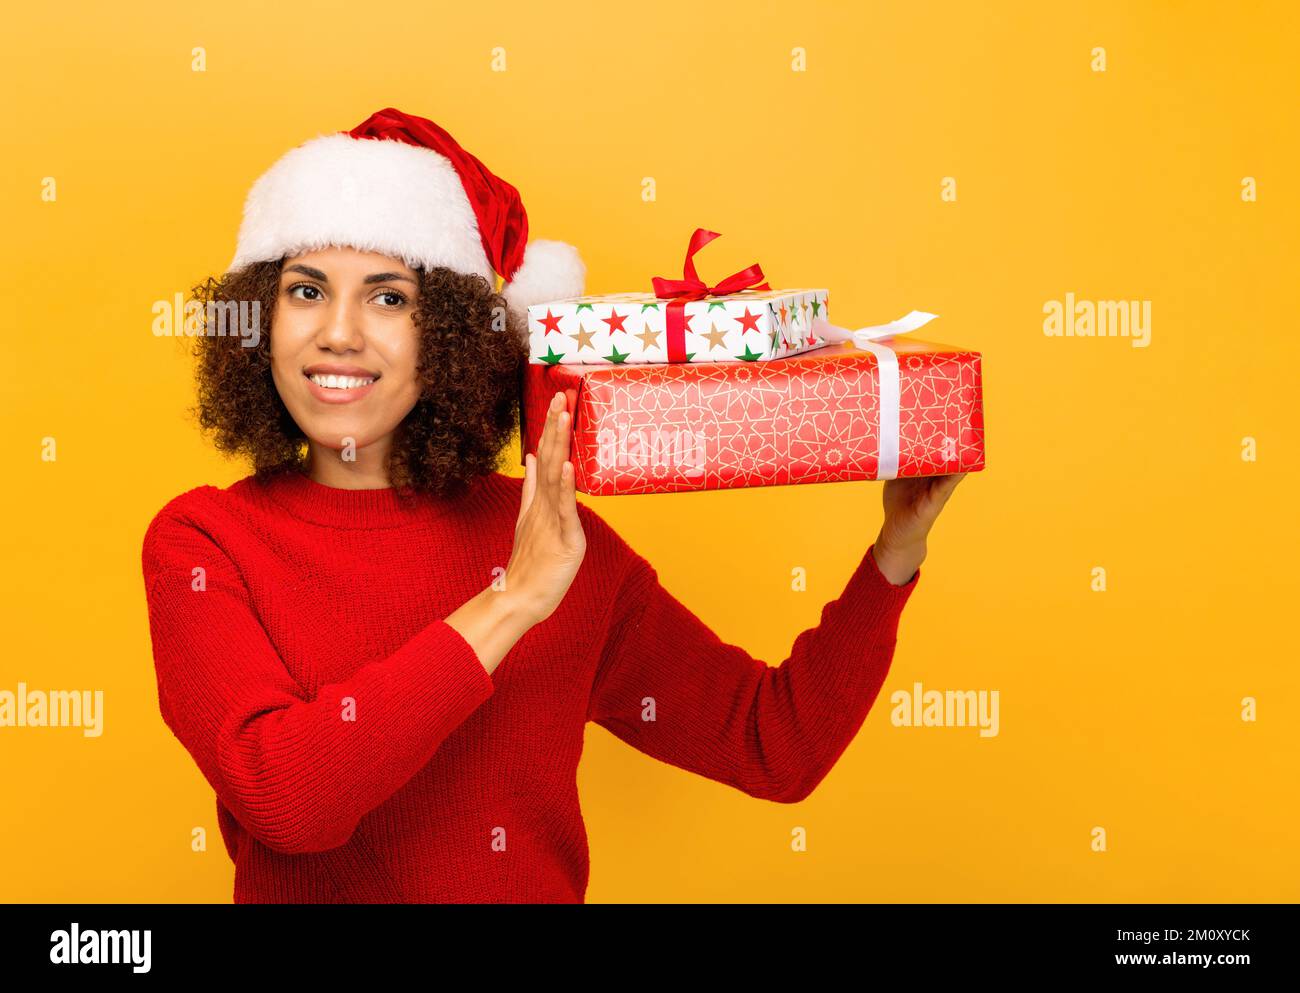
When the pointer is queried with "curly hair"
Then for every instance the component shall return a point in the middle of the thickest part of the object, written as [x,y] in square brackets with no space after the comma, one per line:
[472,347]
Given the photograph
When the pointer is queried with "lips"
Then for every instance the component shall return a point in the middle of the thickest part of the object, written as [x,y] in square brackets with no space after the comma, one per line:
[339,384]
[338,369]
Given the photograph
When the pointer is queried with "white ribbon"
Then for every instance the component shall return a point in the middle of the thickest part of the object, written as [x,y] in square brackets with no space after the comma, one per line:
[868,339]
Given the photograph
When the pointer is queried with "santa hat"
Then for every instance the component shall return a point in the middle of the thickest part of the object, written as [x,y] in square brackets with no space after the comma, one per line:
[400,185]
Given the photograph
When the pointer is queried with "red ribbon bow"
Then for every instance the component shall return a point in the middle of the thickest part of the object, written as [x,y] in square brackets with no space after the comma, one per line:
[690,287]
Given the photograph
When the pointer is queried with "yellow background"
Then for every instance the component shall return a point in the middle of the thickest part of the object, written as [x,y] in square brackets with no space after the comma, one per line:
[1119,709]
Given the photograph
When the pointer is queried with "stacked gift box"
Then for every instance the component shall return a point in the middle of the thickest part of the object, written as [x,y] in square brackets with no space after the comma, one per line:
[695,387]
[634,328]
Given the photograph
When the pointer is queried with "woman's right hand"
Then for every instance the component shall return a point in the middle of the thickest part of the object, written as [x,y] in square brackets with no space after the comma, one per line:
[549,540]
[549,547]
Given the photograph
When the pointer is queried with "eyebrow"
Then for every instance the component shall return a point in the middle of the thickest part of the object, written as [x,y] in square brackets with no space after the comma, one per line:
[374,277]
[386,277]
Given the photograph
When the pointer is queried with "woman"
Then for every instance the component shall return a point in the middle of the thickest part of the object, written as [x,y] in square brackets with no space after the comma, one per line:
[382,652]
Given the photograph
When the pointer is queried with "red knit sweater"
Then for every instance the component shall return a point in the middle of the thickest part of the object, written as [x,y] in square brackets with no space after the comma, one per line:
[359,750]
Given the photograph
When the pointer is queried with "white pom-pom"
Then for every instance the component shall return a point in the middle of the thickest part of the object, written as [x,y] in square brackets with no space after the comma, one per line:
[551,270]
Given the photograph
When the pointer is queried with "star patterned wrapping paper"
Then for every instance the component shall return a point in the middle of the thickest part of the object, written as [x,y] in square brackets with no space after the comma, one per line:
[616,328]
[807,418]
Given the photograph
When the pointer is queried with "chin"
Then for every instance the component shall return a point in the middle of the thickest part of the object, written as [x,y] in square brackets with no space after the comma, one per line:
[332,437]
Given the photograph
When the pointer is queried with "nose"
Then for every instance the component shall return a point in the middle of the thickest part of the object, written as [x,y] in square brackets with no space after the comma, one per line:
[340,330]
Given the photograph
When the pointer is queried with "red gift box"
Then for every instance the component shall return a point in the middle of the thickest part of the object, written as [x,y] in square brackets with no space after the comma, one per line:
[815,417]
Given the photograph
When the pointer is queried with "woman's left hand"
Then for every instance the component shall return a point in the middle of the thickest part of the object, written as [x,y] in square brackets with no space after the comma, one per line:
[911,507]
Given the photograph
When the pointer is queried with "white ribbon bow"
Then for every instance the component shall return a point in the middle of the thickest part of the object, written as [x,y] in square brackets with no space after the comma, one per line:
[868,339]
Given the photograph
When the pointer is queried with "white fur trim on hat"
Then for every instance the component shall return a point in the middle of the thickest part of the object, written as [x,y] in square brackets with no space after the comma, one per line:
[551,270]
[375,195]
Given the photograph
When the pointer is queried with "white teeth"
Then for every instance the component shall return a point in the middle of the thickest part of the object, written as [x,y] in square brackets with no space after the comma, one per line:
[341,382]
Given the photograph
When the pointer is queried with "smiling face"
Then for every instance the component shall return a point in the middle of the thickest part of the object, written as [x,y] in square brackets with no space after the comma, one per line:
[345,348]
[433,358]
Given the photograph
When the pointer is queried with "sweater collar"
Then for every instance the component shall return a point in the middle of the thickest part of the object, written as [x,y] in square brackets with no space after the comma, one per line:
[311,501]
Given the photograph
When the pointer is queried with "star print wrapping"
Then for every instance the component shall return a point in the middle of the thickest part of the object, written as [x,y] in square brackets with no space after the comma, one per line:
[815,417]
[618,328]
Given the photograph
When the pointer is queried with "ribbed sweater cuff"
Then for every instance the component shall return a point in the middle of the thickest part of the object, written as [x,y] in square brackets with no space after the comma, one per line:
[441,674]
[869,590]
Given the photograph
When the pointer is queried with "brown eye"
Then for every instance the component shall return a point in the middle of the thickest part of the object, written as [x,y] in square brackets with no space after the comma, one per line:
[312,292]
